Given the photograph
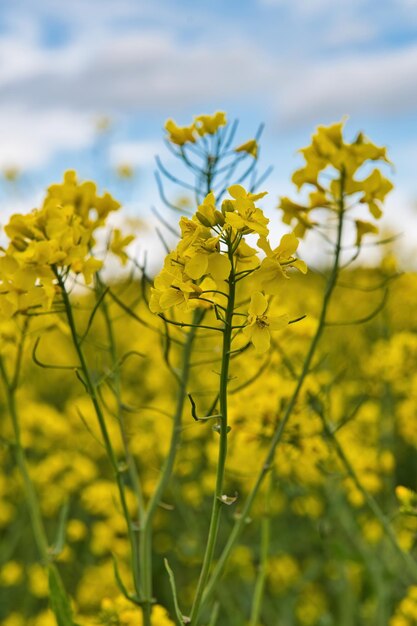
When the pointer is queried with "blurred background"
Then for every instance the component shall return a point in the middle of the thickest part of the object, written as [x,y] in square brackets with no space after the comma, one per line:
[89,86]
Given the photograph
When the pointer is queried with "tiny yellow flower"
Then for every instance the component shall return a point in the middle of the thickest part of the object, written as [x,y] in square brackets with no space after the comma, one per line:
[11,574]
[274,267]
[364,228]
[250,147]
[180,135]
[210,124]
[260,324]
[124,170]
[119,243]
[245,216]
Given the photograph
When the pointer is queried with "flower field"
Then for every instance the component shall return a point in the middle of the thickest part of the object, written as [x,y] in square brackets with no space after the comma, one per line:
[231,441]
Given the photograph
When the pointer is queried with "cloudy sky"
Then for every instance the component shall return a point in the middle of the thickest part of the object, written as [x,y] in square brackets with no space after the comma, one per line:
[289,63]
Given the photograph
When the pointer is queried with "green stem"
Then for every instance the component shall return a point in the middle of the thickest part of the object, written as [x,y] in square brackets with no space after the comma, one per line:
[269,457]
[11,384]
[92,392]
[130,461]
[166,472]
[408,561]
[31,497]
[217,499]
[261,578]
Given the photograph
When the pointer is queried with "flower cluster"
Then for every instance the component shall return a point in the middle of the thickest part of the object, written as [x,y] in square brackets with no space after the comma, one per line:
[330,153]
[58,237]
[205,125]
[202,125]
[213,251]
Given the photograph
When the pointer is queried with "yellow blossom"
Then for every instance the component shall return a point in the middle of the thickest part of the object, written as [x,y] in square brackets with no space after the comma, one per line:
[180,135]
[278,261]
[250,147]
[260,324]
[118,244]
[210,124]
[245,216]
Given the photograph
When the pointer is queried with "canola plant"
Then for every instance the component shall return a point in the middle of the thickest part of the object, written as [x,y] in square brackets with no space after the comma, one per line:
[232,441]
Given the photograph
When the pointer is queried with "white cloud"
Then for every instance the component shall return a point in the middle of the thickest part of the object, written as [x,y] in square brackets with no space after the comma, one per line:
[48,95]
[29,138]
[379,84]
[349,31]
[137,70]
[135,153]
[312,8]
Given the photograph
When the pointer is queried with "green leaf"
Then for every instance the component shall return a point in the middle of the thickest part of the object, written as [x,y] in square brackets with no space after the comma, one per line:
[120,582]
[59,601]
[182,619]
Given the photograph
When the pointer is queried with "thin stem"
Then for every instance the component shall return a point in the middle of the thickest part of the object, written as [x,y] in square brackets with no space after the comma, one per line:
[269,457]
[223,432]
[265,542]
[31,497]
[130,461]
[92,392]
[38,527]
[166,472]
[408,561]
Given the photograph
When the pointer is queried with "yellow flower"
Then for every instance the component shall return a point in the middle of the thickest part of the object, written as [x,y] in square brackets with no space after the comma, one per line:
[76,530]
[375,187]
[206,258]
[119,243]
[245,216]
[406,497]
[210,124]
[278,261]
[296,212]
[363,228]
[124,170]
[250,147]
[172,289]
[11,174]
[11,574]
[38,581]
[191,231]
[260,324]
[207,213]
[180,135]
[246,257]
[87,268]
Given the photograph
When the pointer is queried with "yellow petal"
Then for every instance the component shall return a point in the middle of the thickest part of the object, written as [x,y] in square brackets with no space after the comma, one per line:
[237,191]
[261,338]
[170,297]
[276,322]
[219,266]
[288,245]
[300,265]
[258,304]
[196,267]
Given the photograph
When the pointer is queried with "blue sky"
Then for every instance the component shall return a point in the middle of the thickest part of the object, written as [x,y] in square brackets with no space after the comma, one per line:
[289,63]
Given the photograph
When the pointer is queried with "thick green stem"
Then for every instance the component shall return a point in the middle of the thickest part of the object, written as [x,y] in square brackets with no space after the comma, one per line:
[223,432]
[92,392]
[269,457]
[166,472]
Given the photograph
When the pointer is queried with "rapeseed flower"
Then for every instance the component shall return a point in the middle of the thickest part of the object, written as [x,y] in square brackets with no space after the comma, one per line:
[260,325]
